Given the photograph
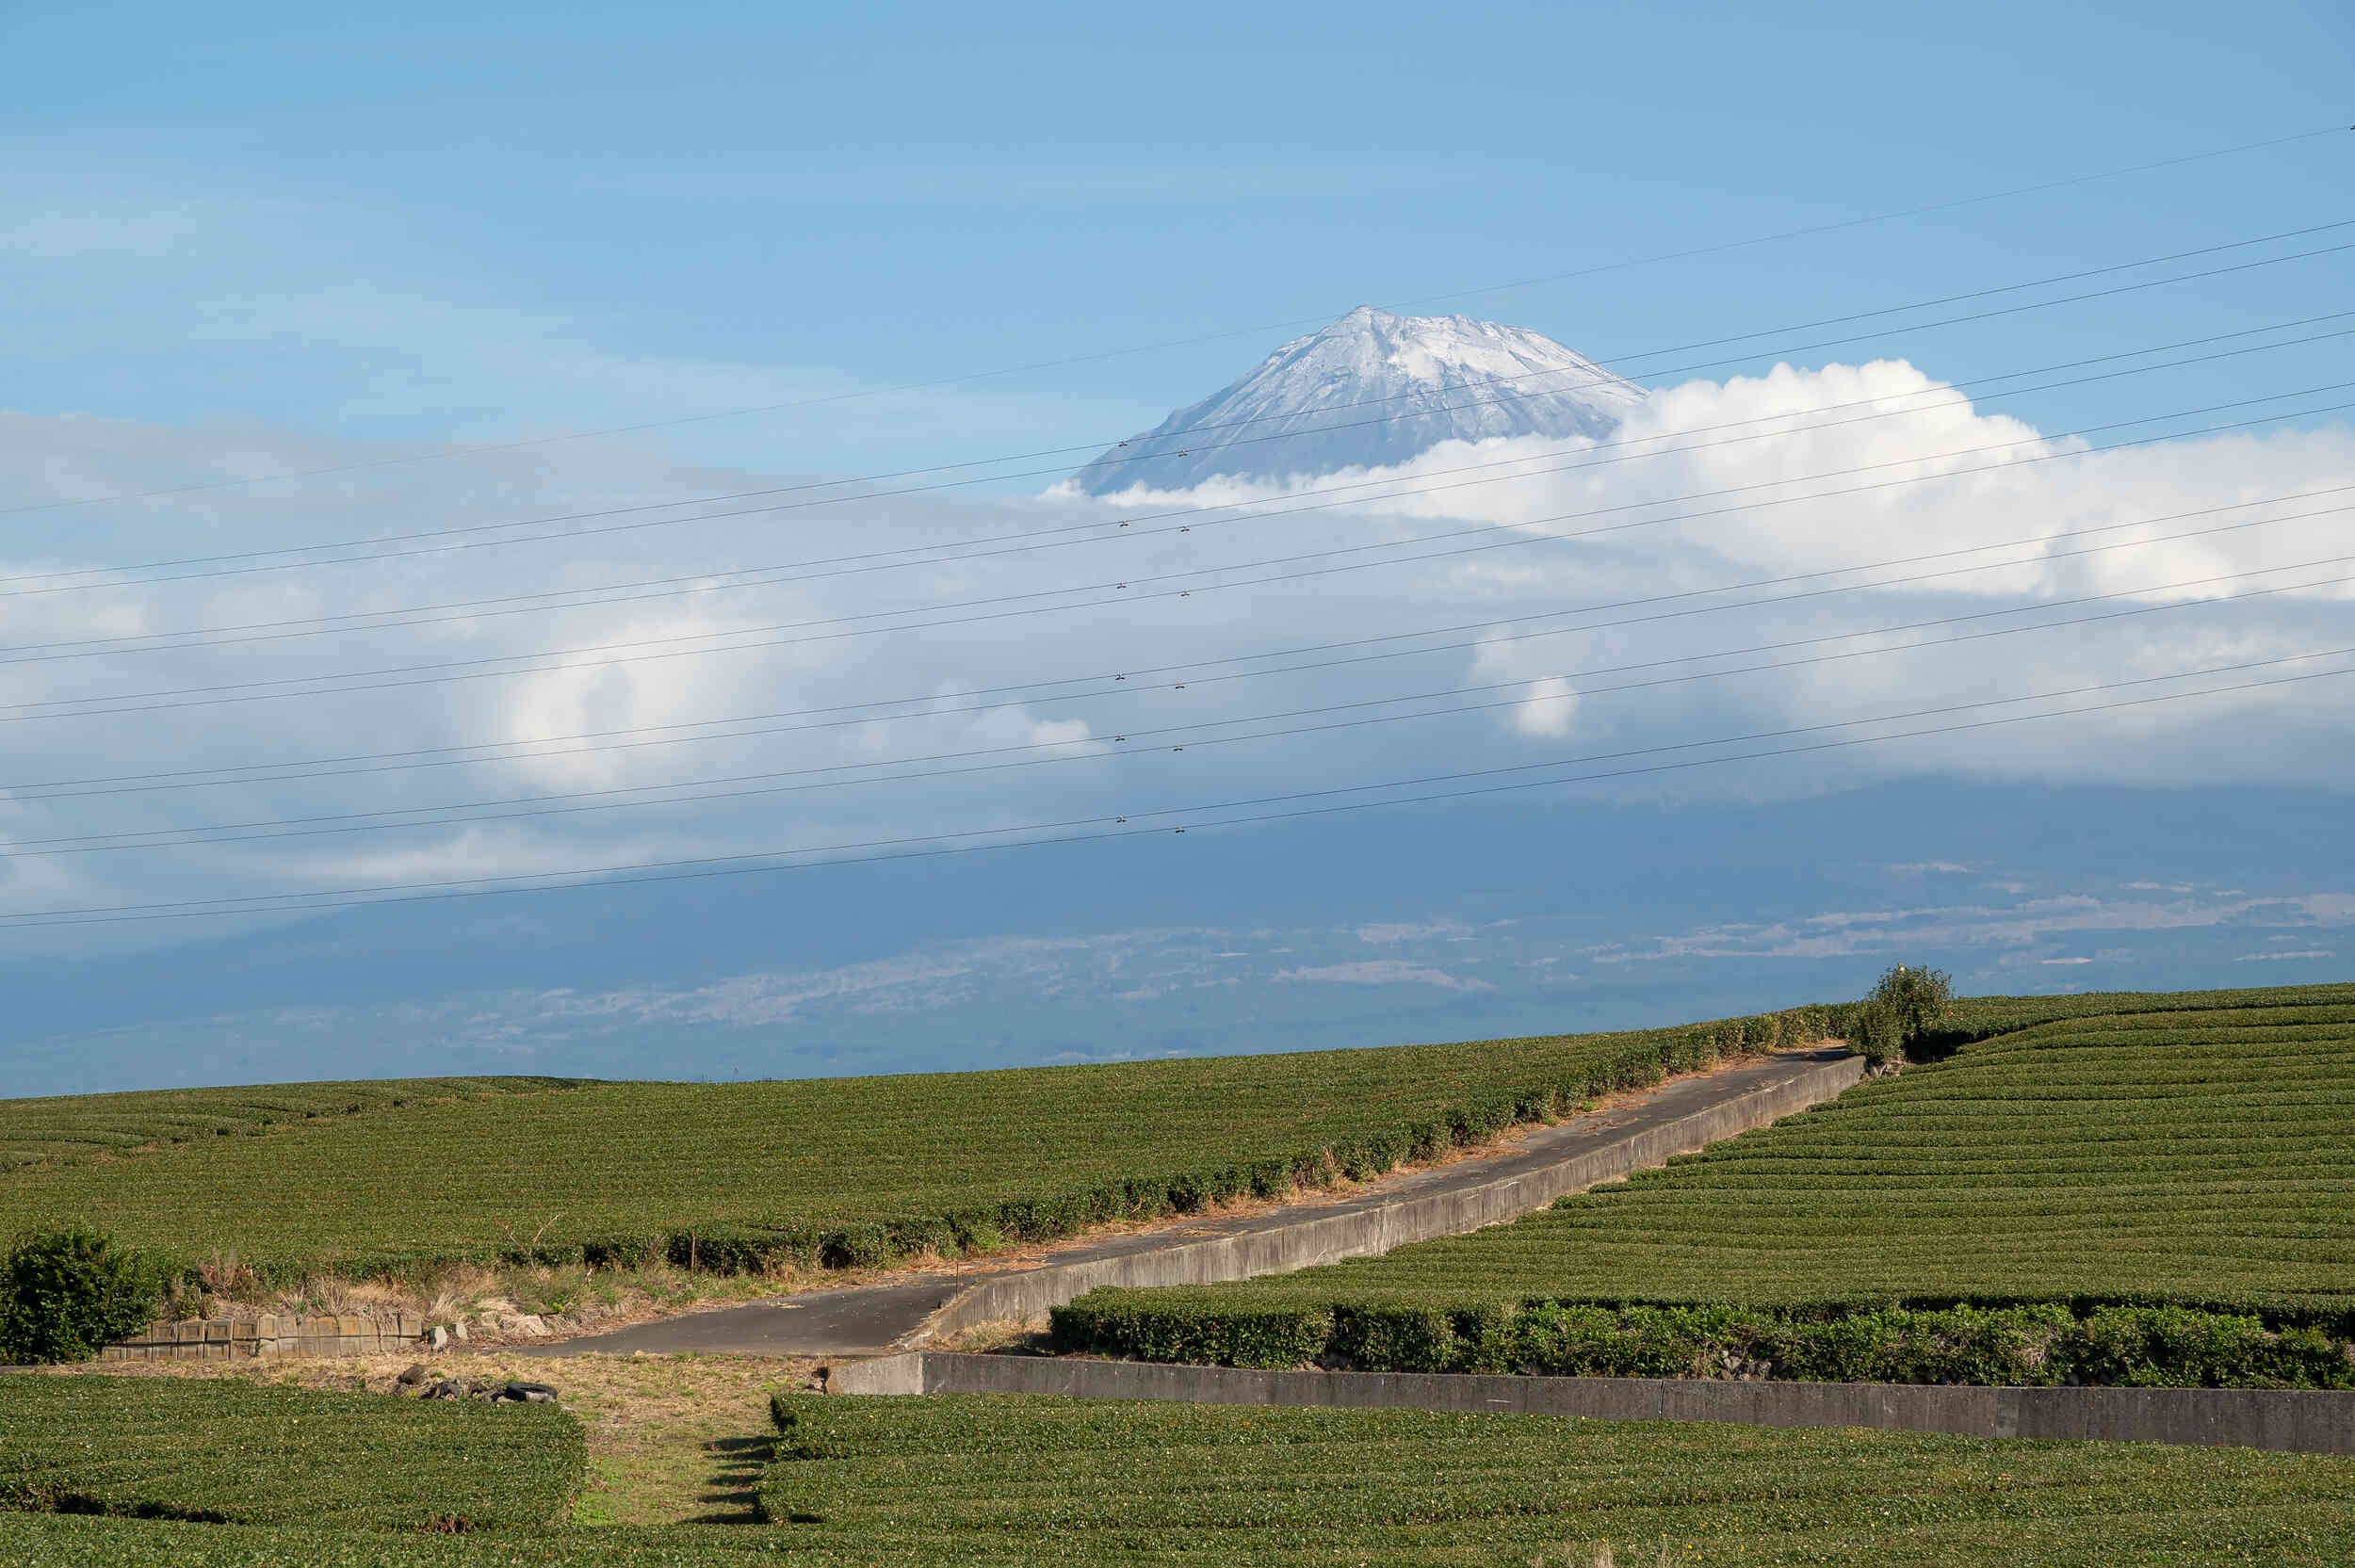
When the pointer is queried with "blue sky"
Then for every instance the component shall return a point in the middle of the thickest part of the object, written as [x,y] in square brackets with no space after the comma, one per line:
[374,225]
[249,242]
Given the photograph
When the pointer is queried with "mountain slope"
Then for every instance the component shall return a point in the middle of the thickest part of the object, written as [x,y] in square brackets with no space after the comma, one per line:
[1372,390]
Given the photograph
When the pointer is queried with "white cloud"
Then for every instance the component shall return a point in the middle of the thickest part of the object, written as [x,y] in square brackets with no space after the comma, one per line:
[1387,933]
[1000,667]
[1549,708]
[1382,972]
[2034,922]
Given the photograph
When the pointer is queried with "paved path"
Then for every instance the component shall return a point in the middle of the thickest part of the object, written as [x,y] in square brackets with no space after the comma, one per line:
[817,1322]
[1464,1195]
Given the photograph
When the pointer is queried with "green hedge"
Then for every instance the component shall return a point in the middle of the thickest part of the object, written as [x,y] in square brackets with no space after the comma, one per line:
[2119,1343]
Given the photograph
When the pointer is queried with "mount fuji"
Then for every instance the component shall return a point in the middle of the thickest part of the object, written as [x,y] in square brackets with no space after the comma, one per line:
[1372,390]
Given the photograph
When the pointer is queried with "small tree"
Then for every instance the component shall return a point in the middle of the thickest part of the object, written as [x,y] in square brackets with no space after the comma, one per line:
[68,1290]
[1917,996]
[1900,1007]
[1878,1034]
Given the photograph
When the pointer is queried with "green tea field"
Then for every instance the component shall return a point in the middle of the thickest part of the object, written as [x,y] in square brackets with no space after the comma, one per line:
[1004,1478]
[2127,1159]
[814,1171]
[277,1478]
[85,1128]
[228,1451]
[2129,1189]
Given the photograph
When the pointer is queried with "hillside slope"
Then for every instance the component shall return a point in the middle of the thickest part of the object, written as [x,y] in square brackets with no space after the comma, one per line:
[809,1171]
[2196,1155]
[80,1128]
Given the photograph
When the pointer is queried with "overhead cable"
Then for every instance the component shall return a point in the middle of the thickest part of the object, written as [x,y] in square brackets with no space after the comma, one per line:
[1146,679]
[1100,747]
[1102,827]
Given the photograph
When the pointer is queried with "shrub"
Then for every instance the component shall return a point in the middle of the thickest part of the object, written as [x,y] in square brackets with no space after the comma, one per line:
[861,1246]
[2173,1347]
[976,1230]
[740,1249]
[1122,1324]
[623,1251]
[1879,1034]
[1596,1341]
[1376,1155]
[1912,1000]
[2023,1344]
[1269,1178]
[1397,1339]
[66,1291]
[1976,1343]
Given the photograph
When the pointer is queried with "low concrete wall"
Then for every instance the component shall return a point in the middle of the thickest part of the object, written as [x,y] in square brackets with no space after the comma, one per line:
[271,1334]
[1358,1231]
[2289,1419]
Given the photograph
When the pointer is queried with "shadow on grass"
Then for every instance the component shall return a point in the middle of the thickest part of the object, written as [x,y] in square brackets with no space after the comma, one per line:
[733,1480]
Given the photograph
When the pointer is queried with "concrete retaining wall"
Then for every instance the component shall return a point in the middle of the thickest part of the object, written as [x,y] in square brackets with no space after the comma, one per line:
[1358,1231]
[271,1334]
[2294,1420]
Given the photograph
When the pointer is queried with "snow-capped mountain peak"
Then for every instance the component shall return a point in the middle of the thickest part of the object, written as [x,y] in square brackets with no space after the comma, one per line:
[1372,390]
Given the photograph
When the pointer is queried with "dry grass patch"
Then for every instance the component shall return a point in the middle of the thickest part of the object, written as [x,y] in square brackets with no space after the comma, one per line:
[1006,1337]
[673,1439]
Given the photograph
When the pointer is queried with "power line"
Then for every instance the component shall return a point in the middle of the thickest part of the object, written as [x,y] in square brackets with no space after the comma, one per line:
[435,816]
[400,761]
[704,866]
[448,671]
[695,583]
[1599,268]
[635,511]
